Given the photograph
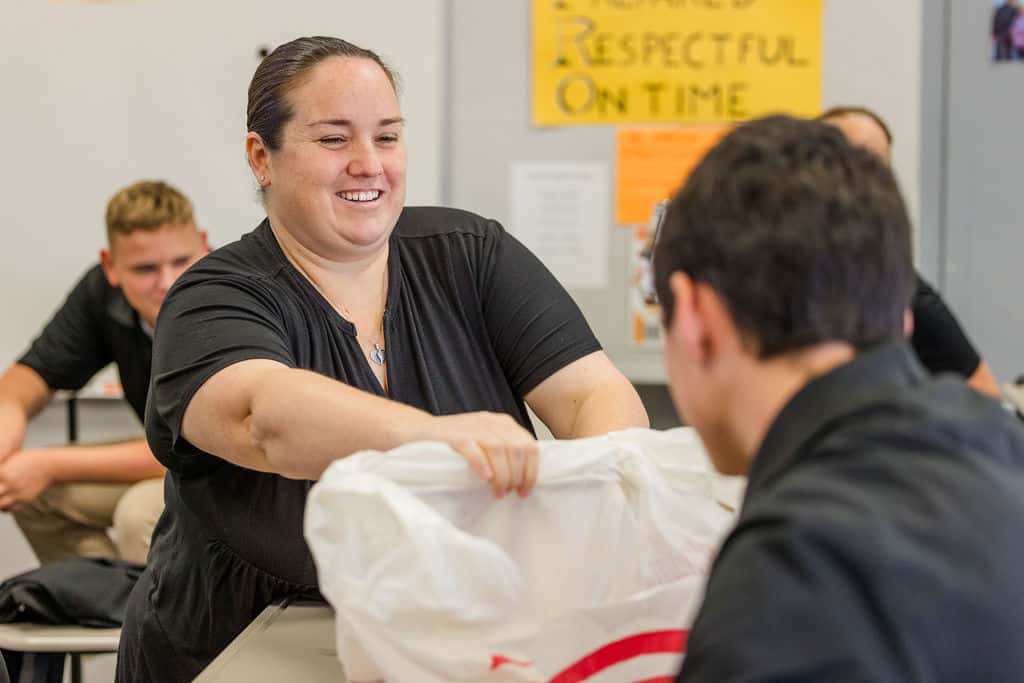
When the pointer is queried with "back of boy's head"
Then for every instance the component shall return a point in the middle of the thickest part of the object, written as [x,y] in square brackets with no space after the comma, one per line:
[146,205]
[804,237]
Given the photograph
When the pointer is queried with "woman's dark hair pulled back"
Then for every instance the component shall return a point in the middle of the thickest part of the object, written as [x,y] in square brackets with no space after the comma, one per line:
[282,70]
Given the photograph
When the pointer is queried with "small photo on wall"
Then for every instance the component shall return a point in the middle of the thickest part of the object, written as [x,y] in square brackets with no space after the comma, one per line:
[1007,31]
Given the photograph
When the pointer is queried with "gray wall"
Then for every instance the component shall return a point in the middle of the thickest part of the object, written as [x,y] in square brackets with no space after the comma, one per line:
[100,94]
[932,158]
[157,89]
[866,61]
[981,243]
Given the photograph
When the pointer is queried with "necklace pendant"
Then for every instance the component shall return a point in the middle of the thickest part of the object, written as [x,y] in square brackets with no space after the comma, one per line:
[377,355]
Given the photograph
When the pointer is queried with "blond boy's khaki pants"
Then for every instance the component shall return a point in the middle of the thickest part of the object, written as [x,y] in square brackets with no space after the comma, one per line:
[85,519]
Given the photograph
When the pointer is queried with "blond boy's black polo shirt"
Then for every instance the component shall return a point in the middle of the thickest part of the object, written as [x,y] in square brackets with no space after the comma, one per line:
[95,326]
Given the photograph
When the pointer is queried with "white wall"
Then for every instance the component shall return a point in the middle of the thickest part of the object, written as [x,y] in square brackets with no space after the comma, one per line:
[99,94]
[873,58]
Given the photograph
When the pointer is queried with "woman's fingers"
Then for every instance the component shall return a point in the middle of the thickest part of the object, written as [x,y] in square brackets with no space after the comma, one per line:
[497,456]
[476,457]
[520,453]
[496,448]
[530,469]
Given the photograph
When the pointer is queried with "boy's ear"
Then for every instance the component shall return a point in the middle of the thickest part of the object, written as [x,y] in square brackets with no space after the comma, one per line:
[687,324]
[701,320]
[107,261]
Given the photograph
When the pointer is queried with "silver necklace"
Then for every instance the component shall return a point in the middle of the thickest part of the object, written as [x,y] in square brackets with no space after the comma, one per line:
[377,355]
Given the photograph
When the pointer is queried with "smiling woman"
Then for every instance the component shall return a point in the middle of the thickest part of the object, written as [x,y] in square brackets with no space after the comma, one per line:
[344,321]
[333,176]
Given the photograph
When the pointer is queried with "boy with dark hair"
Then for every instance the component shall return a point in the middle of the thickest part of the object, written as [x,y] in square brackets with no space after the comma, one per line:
[937,337]
[877,540]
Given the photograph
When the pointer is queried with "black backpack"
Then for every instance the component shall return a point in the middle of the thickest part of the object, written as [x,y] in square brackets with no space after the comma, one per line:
[81,591]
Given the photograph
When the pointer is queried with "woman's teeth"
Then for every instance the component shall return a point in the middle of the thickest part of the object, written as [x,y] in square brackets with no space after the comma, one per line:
[367,196]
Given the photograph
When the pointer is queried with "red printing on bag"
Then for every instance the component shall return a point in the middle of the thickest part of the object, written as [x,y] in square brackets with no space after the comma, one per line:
[652,642]
[502,660]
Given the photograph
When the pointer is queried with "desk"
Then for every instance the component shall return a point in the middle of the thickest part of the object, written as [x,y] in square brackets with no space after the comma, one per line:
[287,642]
[94,391]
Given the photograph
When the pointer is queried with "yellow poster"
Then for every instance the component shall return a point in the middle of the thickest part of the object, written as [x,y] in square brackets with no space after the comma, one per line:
[692,61]
[652,163]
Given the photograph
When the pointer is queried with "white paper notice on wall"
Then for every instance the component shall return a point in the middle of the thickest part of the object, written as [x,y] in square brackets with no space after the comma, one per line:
[561,212]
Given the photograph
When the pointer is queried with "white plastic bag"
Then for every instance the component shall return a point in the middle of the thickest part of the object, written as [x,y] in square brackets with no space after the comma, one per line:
[681,457]
[595,576]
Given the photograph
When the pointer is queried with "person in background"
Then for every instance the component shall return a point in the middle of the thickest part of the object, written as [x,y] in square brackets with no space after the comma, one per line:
[938,339]
[1017,36]
[1003,18]
[65,499]
[345,321]
[878,535]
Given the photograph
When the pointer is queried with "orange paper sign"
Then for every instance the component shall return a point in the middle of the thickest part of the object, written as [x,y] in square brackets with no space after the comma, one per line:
[652,163]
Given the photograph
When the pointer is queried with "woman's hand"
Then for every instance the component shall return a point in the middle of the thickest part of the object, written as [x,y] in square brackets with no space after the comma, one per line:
[496,447]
